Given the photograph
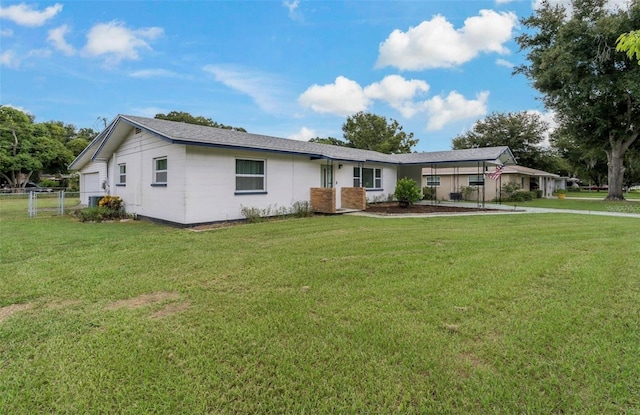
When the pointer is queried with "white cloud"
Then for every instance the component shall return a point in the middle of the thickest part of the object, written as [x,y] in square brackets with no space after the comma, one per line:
[117,42]
[19,108]
[149,112]
[454,107]
[56,36]
[11,60]
[154,73]
[25,15]
[264,89]
[550,118]
[398,92]
[344,97]
[435,43]
[292,5]
[305,134]
[8,58]
[39,53]
[505,63]
[6,32]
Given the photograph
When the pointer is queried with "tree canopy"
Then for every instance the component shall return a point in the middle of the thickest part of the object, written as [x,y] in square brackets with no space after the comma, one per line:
[523,132]
[198,120]
[630,44]
[373,132]
[594,91]
[368,131]
[27,148]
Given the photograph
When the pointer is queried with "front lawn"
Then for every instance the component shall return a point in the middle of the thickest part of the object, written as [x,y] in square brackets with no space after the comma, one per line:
[472,314]
[598,205]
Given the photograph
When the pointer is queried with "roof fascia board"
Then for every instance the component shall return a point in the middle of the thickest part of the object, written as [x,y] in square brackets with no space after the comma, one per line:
[101,137]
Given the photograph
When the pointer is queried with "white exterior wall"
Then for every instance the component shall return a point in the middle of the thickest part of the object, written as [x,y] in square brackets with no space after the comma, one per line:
[201,180]
[138,152]
[210,191]
[389,180]
[343,177]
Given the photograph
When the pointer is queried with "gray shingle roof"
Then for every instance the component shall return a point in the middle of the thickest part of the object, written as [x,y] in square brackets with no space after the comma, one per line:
[183,133]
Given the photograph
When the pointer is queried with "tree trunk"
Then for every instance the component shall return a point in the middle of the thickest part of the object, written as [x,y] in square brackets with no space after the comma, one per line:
[615,164]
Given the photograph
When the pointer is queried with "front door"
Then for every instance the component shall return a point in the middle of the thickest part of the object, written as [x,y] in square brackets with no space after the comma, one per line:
[326,176]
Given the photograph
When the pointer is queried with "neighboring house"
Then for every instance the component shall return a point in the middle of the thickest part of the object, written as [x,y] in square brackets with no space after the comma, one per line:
[189,174]
[476,183]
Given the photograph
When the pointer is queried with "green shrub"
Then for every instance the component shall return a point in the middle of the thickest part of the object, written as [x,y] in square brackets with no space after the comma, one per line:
[467,192]
[407,192]
[99,214]
[111,202]
[109,208]
[299,209]
[49,183]
[253,214]
[509,189]
[302,209]
[521,197]
[428,193]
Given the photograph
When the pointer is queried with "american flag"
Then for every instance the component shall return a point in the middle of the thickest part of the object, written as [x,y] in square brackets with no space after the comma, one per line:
[496,174]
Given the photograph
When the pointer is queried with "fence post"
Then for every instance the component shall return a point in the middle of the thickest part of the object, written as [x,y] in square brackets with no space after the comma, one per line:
[33,204]
[61,202]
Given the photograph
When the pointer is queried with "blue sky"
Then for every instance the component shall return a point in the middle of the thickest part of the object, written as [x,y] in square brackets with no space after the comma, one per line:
[293,69]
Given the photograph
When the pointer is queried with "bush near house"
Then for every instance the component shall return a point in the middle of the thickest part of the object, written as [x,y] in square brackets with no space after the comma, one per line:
[407,192]
[109,208]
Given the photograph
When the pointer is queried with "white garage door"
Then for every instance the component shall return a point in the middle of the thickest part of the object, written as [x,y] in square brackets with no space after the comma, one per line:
[91,186]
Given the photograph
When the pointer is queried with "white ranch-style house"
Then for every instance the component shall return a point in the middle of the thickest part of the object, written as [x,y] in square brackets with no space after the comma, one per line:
[189,174]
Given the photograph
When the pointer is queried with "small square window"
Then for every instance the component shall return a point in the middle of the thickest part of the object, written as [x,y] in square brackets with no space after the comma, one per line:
[160,170]
[476,180]
[367,177]
[433,181]
[250,176]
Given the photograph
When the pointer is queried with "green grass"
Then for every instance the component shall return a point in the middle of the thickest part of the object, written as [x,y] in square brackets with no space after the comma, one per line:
[477,314]
[17,205]
[580,204]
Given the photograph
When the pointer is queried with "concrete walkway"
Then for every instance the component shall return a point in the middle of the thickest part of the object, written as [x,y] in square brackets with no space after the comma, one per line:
[500,210]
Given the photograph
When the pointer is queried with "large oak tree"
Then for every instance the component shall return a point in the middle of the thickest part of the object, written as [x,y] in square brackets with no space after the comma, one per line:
[523,132]
[594,90]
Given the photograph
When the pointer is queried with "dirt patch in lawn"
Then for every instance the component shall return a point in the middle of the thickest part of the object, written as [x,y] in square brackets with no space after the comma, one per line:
[171,308]
[8,311]
[395,209]
[145,299]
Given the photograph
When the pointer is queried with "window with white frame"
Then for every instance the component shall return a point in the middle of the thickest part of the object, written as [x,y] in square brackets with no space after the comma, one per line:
[433,181]
[122,174]
[476,180]
[368,178]
[250,176]
[160,170]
